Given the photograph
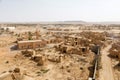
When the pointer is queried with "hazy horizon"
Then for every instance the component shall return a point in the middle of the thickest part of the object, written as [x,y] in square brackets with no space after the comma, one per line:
[62,10]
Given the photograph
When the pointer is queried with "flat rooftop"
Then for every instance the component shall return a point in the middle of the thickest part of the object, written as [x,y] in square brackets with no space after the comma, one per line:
[29,41]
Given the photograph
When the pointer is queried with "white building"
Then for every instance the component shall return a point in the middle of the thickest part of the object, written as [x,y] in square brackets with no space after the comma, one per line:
[11,28]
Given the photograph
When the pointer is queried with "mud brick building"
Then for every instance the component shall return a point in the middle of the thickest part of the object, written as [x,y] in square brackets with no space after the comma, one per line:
[31,44]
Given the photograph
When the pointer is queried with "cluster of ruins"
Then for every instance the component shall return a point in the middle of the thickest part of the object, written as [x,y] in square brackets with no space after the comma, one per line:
[56,51]
[115,50]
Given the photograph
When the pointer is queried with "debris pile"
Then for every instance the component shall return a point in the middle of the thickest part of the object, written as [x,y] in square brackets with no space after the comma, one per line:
[27,53]
[16,74]
[38,59]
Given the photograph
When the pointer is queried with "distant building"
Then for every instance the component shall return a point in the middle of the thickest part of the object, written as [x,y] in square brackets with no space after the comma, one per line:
[31,44]
[8,28]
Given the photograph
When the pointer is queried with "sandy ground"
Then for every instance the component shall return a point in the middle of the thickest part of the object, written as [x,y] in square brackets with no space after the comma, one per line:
[107,72]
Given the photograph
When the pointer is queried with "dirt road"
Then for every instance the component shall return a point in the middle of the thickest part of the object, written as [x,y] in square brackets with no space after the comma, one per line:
[106,73]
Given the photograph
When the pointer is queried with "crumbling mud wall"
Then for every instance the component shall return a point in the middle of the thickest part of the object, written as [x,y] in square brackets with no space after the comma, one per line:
[33,56]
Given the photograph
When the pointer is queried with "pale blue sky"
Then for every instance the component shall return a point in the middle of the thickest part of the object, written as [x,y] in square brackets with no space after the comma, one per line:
[59,10]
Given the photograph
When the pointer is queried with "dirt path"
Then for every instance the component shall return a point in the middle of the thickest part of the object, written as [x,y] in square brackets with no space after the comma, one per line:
[106,73]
